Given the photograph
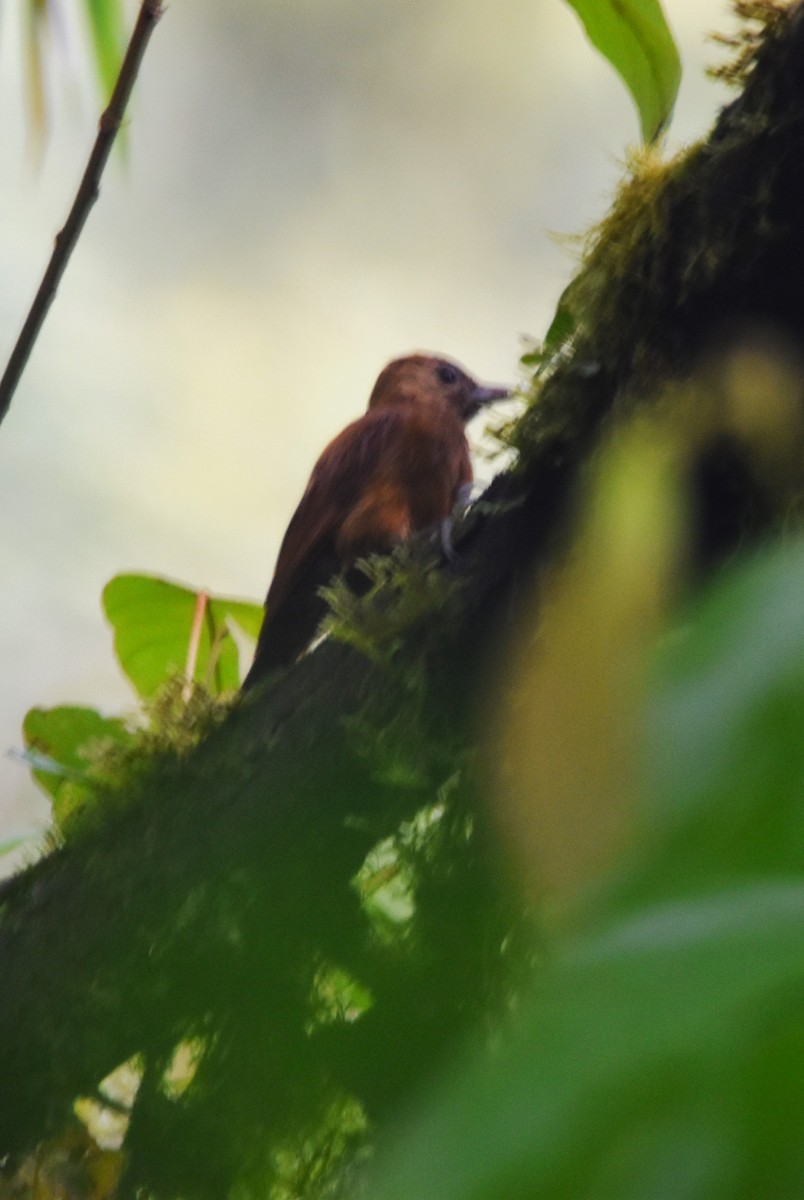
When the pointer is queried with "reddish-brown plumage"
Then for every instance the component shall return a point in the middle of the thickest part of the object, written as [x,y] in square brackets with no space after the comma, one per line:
[400,468]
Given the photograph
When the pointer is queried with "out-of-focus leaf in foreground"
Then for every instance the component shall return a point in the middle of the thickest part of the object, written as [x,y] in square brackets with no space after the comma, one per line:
[661,1053]
[567,741]
[627,1073]
[724,781]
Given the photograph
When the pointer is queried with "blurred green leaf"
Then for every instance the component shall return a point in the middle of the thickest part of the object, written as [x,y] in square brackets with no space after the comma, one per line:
[633,35]
[245,614]
[725,754]
[107,27]
[36,28]
[12,844]
[107,32]
[660,1054]
[563,323]
[65,745]
[562,327]
[623,1035]
[723,684]
[153,622]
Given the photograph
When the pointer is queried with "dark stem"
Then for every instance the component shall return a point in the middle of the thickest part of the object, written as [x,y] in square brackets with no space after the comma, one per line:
[87,194]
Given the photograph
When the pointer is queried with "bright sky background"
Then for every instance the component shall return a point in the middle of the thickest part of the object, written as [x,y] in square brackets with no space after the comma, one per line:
[311,187]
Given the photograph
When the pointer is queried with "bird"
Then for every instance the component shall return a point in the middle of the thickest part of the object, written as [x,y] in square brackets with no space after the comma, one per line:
[400,469]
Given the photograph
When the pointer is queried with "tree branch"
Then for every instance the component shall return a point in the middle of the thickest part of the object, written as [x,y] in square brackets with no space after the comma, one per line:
[86,196]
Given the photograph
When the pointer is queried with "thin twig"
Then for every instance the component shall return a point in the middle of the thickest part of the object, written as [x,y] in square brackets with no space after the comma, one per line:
[201,604]
[87,194]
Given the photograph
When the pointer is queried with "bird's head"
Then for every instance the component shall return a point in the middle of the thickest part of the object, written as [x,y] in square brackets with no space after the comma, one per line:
[427,379]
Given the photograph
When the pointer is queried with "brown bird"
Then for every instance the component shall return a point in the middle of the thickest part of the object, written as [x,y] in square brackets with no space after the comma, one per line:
[401,468]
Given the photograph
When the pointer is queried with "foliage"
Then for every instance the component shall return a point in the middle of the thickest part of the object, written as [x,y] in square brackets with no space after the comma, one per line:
[400,590]
[68,751]
[11,844]
[656,1038]
[153,620]
[634,37]
[359,963]
[660,1051]
[176,647]
[104,21]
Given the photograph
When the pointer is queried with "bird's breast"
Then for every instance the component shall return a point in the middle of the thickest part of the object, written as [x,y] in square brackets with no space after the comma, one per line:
[428,462]
[415,473]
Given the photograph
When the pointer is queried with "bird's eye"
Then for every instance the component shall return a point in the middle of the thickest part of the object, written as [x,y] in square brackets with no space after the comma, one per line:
[447,373]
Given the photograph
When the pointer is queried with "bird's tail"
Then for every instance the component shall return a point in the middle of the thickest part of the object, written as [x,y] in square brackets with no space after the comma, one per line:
[284,635]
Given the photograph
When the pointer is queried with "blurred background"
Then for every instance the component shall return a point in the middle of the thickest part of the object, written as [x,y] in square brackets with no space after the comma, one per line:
[309,188]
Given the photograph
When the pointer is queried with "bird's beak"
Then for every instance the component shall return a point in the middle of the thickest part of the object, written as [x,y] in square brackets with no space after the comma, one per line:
[487,395]
[480,396]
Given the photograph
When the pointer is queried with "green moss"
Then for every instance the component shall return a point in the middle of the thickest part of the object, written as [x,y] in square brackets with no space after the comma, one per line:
[403,588]
[760,19]
[169,727]
[680,230]
[676,226]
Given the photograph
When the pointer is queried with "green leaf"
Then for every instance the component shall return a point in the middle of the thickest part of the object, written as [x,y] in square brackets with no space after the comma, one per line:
[64,749]
[660,1053]
[107,31]
[562,325]
[632,1047]
[633,35]
[107,27]
[740,655]
[725,756]
[37,14]
[12,844]
[245,614]
[562,328]
[153,623]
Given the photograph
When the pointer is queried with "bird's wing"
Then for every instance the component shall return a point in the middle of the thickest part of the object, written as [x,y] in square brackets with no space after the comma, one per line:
[339,477]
